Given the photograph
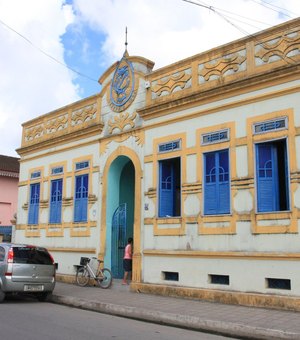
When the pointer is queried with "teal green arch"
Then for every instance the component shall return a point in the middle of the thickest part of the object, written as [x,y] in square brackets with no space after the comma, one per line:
[120,190]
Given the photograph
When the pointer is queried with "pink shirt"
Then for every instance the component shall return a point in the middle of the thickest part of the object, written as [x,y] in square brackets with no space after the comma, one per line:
[127,254]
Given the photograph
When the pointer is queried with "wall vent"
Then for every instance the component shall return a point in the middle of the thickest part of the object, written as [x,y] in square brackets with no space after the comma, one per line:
[170,276]
[278,283]
[219,279]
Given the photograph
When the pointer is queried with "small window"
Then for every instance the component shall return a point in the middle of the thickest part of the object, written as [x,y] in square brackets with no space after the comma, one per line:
[170,276]
[271,125]
[215,137]
[57,170]
[278,283]
[219,279]
[170,146]
[82,165]
[35,174]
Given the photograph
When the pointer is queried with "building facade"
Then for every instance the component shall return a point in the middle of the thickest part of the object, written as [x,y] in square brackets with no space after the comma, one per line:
[9,179]
[198,161]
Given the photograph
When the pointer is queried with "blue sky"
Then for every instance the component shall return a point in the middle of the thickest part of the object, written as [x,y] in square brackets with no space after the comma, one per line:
[89,35]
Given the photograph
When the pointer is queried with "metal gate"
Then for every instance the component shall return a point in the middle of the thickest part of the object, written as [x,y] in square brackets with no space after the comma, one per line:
[118,240]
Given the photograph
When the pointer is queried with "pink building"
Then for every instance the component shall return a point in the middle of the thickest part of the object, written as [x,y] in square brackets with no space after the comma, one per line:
[9,178]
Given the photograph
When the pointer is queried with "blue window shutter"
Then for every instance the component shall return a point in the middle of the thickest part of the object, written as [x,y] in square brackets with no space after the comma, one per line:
[267,178]
[210,184]
[81,198]
[166,189]
[56,201]
[216,183]
[33,213]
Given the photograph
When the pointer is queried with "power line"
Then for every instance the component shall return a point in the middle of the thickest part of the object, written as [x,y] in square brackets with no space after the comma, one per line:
[269,6]
[224,17]
[45,53]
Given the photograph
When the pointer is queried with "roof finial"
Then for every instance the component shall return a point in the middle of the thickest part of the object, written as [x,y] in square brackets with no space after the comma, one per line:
[126,43]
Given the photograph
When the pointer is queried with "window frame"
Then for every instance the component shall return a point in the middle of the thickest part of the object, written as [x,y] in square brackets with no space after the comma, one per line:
[57,206]
[33,209]
[176,204]
[287,179]
[218,211]
[81,215]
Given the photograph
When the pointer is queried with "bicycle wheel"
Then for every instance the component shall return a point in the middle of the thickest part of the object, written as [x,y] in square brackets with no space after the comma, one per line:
[105,280]
[82,276]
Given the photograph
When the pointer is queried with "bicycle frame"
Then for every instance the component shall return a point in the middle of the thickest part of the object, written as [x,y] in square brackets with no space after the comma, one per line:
[88,270]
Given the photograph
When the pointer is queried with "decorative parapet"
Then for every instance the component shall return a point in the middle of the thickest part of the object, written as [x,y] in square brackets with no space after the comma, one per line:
[171,83]
[284,47]
[222,67]
[256,55]
[77,117]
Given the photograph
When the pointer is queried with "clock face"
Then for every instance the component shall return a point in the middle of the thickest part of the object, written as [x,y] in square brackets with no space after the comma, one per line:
[122,86]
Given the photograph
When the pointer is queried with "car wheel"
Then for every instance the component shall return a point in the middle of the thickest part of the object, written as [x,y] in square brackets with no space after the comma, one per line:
[2,295]
[44,297]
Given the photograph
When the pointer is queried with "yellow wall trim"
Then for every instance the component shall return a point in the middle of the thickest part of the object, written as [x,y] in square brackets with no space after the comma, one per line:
[72,250]
[224,255]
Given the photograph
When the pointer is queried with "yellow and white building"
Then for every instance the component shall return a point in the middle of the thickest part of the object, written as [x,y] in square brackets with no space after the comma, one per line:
[198,161]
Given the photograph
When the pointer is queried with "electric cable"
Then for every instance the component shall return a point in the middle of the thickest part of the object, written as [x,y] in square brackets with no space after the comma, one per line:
[47,54]
[224,17]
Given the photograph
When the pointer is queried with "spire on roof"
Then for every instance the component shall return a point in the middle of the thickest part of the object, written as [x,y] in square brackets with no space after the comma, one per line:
[126,43]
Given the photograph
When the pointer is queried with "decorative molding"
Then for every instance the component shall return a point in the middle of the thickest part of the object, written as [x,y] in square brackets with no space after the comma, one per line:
[67,201]
[281,48]
[171,83]
[61,124]
[25,206]
[92,198]
[34,132]
[138,135]
[57,124]
[191,188]
[83,115]
[223,66]
[44,204]
[121,121]
[151,193]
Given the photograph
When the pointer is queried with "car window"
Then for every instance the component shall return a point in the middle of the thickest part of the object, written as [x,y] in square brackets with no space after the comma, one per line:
[31,255]
[2,254]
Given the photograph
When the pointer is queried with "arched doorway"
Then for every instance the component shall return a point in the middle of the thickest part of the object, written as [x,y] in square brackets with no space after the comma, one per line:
[123,155]
[120,211]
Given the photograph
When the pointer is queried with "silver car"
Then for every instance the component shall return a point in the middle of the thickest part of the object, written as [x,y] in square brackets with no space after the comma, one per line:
[26,269]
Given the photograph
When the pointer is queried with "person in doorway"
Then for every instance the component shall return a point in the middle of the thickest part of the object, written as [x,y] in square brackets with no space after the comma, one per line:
[127,260]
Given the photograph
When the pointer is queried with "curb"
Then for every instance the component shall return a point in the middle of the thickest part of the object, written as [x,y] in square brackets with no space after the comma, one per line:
[176,320]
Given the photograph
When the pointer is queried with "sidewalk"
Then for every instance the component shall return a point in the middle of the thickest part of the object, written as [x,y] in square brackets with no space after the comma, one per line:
[228,320]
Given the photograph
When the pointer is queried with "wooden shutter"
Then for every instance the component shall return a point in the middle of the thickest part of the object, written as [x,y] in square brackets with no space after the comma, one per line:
[166,188]
[81,198]
[33,213]
[267,177]
[56,201]
[216,183]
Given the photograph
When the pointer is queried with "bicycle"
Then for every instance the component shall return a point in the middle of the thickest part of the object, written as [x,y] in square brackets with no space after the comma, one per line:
[87,271]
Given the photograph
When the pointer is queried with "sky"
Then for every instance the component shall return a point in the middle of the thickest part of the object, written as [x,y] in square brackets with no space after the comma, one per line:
[53,52]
